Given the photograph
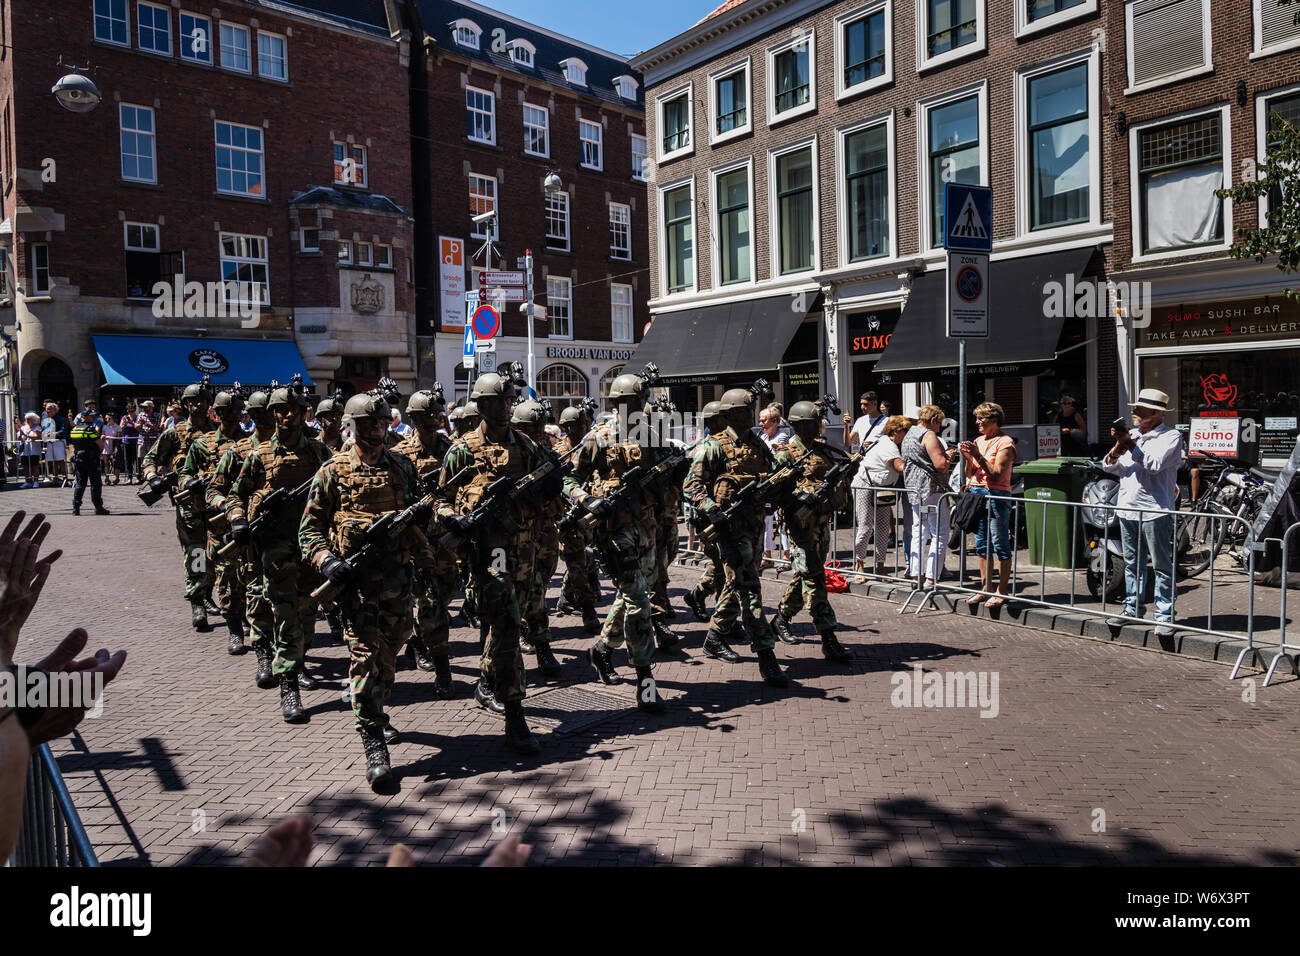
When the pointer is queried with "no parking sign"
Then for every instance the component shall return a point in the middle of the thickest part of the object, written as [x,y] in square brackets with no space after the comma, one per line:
[486,322]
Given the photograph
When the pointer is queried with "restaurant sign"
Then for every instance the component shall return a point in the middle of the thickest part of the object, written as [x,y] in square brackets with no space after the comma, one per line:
[1241,320]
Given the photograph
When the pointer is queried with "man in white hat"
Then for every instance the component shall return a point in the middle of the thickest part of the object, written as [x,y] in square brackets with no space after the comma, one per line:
[1146,461]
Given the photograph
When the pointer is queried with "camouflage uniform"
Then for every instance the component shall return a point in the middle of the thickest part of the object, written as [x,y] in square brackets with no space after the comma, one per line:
[168,454]
[809,543]
[346,497]
[201,461]
[666,507]
[573,544]
[436,586]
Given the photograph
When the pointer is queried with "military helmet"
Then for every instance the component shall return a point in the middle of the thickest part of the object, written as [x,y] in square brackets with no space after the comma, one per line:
[804,412]
[736,398]
[712,409]
[526,413]
[227,399]
[332,405]
[195,392]
[258,400]
[456,414]
[427,401]
[571,415]
[365,405]
[627,385]
[287,396]
[489,385]
[470,410]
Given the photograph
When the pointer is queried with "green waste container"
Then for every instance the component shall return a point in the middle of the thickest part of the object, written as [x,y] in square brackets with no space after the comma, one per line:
[1051,479]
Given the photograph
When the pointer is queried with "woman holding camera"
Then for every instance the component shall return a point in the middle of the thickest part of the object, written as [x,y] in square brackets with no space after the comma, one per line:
[990,459]
[925,474]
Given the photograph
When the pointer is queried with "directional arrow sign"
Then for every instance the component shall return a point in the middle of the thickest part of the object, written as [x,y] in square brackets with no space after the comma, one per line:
[467,356]
[501,278]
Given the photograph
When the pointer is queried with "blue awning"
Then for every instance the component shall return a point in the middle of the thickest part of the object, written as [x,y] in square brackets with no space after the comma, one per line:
[157,360]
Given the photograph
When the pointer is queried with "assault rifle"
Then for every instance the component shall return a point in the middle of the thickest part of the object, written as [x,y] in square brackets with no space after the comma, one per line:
[185,494]
[378,539]
[274,506]
[151,493]
[754,497]
[822,501]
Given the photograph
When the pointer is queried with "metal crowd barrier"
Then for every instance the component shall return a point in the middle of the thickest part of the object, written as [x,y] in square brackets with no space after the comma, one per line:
[51,832]
[123,458]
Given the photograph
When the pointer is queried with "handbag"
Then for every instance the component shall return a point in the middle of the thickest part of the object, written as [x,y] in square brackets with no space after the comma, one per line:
[968,511]
[835,581]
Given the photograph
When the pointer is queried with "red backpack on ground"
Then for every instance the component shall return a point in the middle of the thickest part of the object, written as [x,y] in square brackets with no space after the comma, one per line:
[834,580]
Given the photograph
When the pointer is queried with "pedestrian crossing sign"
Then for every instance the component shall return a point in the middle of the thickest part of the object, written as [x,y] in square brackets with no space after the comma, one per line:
[968,217]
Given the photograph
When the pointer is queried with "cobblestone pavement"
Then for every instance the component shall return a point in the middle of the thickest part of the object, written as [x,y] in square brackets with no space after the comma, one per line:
[1097,754]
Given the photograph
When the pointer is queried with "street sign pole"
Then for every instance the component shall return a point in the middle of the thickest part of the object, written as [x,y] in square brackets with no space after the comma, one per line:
[528,314]
[967,227]
[961,389]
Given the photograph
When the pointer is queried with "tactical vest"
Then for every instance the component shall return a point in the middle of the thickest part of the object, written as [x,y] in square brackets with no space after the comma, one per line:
[813,469]
[492,461]
[424,459]
[289,469]
[563,445]
[217,446]
[619,459]
[744,464]
[186,435]
[365,493]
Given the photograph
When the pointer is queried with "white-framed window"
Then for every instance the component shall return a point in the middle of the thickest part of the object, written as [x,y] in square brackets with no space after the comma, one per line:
[196,38]
[142,245]
[522,52]
[111,23]
[948,30]
[350,165]
[345,252]
[153,28]
[40,268]
[1277,27]
[864,45]
[793,177]
[364,254]
[1285,104]
[1058,107]
[139,157]
[792,78]
[575,71]
[1167,41]
[140,237]
[620,312]
[620,231]
[559,306]
[731,111]
[733,235]
[480,115]
[626,87]
[1177,164]
[383,256]
[1034,16]
[243,261]
[866,200]
[537,130]
[235,49]
[483,198]
[677,237]
[466,32]
[674,122]
[953,147]
[272,56]
[592,153]
[561,385]
[557,221]
[309,240]
[239,160]
[639,157]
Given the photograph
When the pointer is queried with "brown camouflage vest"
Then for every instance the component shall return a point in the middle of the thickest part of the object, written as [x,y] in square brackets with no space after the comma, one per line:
[424,459]
[813,469]
[744,464]
[186,435]
[617,460]
[491,462]
[365,493]
[217,446]
[289,469]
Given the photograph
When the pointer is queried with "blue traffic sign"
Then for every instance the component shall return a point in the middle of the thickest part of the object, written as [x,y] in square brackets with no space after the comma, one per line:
[469,341]
[485,322]
[967,217]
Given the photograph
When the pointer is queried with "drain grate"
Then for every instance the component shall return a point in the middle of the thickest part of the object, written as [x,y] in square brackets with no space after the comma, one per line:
[566,710]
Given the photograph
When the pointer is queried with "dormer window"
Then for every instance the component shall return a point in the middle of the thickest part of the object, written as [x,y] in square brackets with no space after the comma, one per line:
[625,86]
[466,33]
[575,71]
[522,52]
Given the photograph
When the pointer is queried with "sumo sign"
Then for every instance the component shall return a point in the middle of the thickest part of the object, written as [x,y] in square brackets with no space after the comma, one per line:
[1214,436]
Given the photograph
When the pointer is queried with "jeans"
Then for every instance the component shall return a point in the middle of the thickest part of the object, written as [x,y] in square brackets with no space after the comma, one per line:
[1000,509]
[1152,537]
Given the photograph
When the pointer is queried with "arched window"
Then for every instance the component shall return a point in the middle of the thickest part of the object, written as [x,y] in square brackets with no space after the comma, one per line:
[466,32]
[564,385]
[606,381]
[575,71]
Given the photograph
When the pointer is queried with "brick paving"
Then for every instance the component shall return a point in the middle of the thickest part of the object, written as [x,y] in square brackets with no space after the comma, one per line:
[190,762]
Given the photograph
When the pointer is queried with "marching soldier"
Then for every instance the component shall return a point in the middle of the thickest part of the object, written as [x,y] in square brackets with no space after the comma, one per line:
[430,645]
[284,464]
[492,451]
[257,613]
[710,582]
[529,418]
[466,419]
[629,541]
[810,532]
[666,504]
[575,591]
[329,415]
[724,463]
[166,457]
[348,494]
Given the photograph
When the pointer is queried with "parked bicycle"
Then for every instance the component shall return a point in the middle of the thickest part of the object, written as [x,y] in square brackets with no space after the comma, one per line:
[1236,492]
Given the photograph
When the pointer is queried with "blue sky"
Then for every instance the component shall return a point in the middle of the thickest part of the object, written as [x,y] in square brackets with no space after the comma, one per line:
[621,26]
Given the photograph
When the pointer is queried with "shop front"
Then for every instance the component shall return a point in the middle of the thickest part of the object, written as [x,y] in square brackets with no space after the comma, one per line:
[565,373]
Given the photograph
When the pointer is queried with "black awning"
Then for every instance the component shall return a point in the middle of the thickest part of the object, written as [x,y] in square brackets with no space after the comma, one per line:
[1020,330]
[748,336]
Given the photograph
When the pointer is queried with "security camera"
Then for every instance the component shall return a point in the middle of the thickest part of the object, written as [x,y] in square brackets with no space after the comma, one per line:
[484,217]
[77,93]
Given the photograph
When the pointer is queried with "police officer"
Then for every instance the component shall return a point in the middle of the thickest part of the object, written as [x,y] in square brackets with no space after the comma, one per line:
[166,456]
[257,612]
[575,539]
[710,582]
[810,533]
[724,463]
[200,462]
[349,492]
[529,417]
[430,645]
[289,459]
[629,535]
[494,450]
[87,438]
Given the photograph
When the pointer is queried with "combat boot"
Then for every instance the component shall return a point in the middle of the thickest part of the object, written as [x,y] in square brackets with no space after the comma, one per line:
[265,658]
[443,687]
[236,643]
[518,737]
[564,606]
[209,606]
[290,699]
[305,680]
[647,693]
[486,698]
[781,624]
[199,616]
[526,646]
[335,622]
[379,773]
[546,660]
[716,646]
[602,658]
[833,650]
[663,636]
[590,619]
[770,669]
[420,658]
[391,734]
[695,601]
[469,611]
